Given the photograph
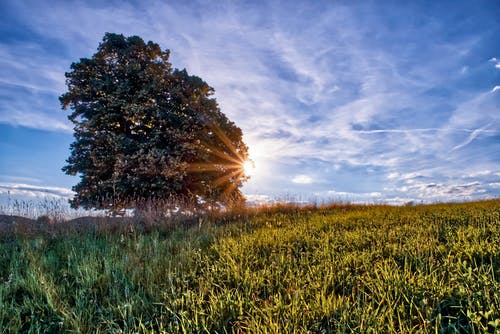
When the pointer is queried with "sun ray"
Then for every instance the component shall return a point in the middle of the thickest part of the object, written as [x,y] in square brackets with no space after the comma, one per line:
[222,136]
[230,188]
[207,167]
[225,178]
[223,155]
[232,164]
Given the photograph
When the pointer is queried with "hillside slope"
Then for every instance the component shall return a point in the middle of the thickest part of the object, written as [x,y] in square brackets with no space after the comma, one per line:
[337,269]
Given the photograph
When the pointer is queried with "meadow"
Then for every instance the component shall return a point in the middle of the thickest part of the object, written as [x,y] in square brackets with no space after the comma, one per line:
[332,269]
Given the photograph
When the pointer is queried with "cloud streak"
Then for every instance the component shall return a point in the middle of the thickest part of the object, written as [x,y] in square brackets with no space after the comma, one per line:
[471,137]
[31,191]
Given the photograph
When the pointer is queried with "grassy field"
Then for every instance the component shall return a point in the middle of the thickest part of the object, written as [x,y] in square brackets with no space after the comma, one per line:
[373,269]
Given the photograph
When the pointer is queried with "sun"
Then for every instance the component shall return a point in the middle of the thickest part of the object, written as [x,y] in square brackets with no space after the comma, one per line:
[248,167]
[232,164]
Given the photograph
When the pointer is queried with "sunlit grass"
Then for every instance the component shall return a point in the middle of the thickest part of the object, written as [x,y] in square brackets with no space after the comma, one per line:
[340,269]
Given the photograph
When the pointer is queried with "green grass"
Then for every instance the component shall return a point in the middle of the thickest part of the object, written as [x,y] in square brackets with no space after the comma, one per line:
[373,269]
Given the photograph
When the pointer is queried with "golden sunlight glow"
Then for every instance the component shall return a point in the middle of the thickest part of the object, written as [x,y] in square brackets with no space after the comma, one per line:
[249,168]
[231,163]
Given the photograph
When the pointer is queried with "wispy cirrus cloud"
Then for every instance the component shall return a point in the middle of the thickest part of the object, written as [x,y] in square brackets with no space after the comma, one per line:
[474,134]
[37,120]
[31,79]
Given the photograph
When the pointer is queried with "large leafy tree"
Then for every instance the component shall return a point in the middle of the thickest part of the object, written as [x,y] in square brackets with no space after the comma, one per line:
[145,131]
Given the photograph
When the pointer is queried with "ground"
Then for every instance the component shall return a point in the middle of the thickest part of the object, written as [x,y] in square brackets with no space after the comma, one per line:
[340,268]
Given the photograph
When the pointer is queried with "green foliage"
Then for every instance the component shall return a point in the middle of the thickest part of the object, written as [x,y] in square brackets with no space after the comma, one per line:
[422,269]
[147,132]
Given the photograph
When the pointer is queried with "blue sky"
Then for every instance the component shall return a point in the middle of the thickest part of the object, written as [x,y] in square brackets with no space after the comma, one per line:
[365,101]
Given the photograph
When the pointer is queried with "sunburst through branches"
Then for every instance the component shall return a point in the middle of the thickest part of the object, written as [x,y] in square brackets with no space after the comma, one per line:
[231,162]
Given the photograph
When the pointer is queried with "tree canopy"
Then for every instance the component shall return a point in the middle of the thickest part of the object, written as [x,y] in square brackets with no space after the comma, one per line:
[146,131]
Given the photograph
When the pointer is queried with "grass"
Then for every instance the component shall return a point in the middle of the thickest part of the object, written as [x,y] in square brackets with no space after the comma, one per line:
[337,269]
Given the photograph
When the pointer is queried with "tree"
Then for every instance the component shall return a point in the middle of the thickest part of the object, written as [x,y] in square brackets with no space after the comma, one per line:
[147,132]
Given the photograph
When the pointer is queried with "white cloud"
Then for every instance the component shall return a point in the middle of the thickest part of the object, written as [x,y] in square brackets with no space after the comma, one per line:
[256,199]
[33,201]
[15,178]
[479,173]
[354,197]
[400,200]
[442,191]
[496,61]
[31,80]
[496,87]
[471,137]
[31,66]
[403,176]
[31,191]
[303,179]
[34,120]
[392,176]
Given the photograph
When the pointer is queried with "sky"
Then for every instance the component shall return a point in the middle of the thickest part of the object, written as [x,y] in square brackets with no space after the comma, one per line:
[359,101]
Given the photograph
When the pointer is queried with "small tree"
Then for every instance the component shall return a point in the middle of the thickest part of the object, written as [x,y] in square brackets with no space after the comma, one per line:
[147,132]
